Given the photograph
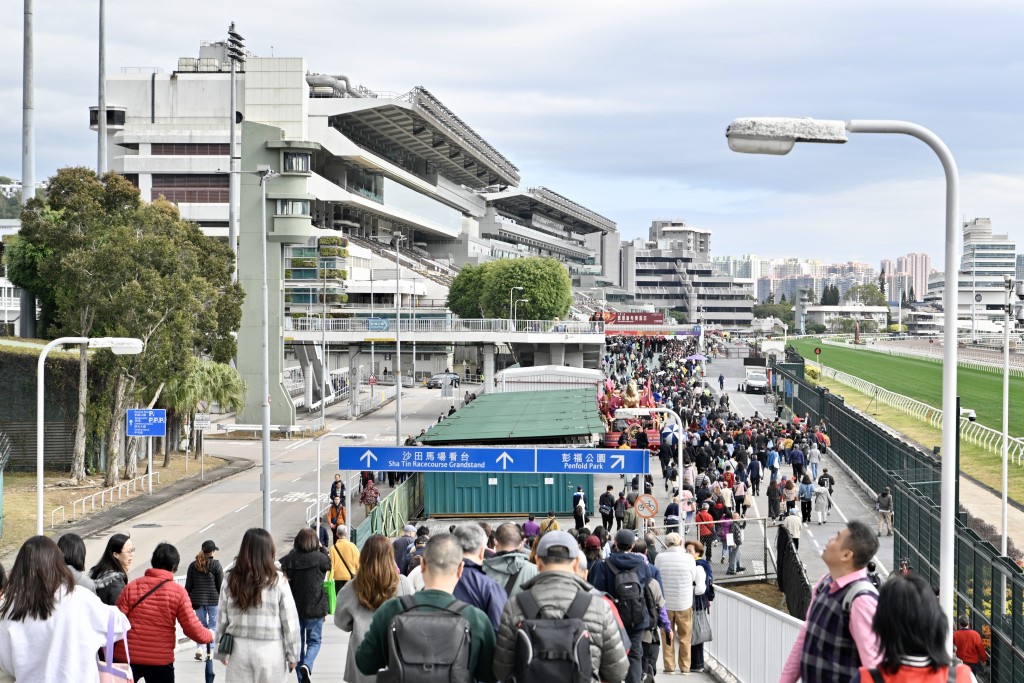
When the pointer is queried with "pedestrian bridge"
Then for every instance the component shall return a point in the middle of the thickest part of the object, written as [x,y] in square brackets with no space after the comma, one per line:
[349,331]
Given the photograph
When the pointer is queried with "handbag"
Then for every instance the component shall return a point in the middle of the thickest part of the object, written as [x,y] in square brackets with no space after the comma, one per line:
[332,595]
[701,628]
[226,644]
[110,671]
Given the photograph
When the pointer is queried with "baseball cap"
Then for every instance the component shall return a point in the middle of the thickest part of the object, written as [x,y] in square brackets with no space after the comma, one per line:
[592,542]
[209,546]
[558,539]
[409,529]
[625,538]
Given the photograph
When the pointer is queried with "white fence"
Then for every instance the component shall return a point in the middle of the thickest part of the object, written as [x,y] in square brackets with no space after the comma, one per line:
[750,640]
[973,432]
[964,358]
[382,396]
[106,497]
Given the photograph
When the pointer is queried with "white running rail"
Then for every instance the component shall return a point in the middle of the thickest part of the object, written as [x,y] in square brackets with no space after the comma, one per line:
[934,356]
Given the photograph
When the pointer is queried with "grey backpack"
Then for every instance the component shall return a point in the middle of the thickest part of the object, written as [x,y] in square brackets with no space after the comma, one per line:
[428,644]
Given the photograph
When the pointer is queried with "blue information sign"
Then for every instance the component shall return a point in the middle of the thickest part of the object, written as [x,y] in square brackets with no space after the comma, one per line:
[377,324]
[467,459]
[147,422]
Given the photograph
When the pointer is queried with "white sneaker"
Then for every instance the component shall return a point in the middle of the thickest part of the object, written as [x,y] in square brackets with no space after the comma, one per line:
[200,654]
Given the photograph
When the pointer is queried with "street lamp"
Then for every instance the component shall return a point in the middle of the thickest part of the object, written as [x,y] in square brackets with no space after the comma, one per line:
[265,173]
[515,310]
[778,136]
[511,294]
[236,55]
[1019,317]
[396,241]
[121,346]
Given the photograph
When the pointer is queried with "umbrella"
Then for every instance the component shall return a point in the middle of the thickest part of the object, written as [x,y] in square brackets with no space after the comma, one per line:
[671,434]
[697,356]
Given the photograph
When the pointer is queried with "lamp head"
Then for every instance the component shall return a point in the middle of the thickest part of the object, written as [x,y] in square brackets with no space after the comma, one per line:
[777,135]
[120,346]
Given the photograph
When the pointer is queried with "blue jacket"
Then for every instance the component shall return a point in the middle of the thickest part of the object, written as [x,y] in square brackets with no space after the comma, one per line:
[480,590]
[796,457]
[603,578]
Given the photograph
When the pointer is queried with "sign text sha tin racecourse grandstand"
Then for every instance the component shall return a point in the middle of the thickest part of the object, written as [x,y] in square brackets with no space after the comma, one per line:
[523,460]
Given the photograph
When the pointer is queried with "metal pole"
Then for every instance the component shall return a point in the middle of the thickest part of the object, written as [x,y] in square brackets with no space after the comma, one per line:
[950,416]
[27,317]
[40,379]
[233,180]
[266,355]
[1006,413]
[149,459]
[398,344]
[373,345]
[202,459]
[324,375]
[974,290]
[414,330]
[101,110]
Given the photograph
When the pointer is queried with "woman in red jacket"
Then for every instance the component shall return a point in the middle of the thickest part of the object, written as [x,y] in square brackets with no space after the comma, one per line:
[153,604]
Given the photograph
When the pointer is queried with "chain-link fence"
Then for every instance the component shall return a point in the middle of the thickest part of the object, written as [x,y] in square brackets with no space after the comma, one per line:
[989,587]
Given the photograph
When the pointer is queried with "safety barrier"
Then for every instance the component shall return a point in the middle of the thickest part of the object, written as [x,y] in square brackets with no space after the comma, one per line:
[393,512]
[106,496]
[971,431]
[750,641]
[755,554]
[369,403]
[317,509]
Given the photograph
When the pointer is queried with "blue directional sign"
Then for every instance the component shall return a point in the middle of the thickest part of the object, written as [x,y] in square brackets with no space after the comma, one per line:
[377,325]
[147,422]
[471,459]
[593,461]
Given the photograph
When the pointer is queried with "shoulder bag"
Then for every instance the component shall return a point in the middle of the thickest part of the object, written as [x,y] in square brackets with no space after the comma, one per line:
[111,672]
[351,573]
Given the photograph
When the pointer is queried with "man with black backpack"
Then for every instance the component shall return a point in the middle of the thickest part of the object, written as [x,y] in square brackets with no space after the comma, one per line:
[510,567]
[401,643]
[605,505]
[624,576]
[555,629]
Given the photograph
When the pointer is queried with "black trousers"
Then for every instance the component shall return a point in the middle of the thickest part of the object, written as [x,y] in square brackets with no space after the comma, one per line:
[153,673]
[606,521]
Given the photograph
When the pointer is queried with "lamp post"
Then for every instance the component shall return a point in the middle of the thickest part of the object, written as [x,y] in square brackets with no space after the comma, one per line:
[265,173]
[515,310]
[396,240]
[121,346]
[236,54]
[1019,316]
[511,295]
[778,136]
[101,108]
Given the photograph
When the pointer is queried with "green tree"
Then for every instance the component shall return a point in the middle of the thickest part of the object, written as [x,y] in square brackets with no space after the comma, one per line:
[545,282]
[913,297]
[869,295]
[466,290]
[102,263]
[192,391]
[783,299]
[816,328]
[881,283]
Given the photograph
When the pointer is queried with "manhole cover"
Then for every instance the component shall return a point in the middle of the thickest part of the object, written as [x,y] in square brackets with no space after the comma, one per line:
[146,526]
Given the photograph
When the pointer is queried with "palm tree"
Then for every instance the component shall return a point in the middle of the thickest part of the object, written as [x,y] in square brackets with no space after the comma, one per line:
[206,382]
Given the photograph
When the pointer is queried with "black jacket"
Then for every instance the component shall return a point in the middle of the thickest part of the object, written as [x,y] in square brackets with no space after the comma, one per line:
[305,572]
[204,587]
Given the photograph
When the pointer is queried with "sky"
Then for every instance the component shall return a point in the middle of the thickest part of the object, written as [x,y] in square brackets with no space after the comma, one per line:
[622,107]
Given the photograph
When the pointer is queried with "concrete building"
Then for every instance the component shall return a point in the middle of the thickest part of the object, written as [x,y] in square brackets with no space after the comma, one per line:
[986,258]
[1020,267]
[829,316]
[673,269]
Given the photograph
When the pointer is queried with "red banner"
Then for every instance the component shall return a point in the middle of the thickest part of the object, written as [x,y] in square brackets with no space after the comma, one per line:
[620,318]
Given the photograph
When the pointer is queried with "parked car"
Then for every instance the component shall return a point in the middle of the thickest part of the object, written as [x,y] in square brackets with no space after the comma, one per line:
[440,380]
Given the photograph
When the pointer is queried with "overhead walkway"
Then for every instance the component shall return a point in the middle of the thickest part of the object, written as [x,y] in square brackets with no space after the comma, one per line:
[447,331]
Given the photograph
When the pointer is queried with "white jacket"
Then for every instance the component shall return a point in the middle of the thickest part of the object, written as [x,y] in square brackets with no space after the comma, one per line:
[678,570]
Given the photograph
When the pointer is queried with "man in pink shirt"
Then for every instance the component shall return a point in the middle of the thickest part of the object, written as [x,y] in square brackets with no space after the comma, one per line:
[836,637]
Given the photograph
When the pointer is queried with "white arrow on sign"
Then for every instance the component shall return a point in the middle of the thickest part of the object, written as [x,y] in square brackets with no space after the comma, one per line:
[618,461]
[505,459]
[369,457]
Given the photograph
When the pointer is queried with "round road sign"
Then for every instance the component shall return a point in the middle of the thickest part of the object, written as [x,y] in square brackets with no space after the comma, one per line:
[372,380]
[817,351]
[646,506]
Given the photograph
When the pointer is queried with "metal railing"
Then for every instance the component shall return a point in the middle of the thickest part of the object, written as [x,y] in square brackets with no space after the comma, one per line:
[751,640]
[447,325]
[317,509]
[974,363]
[367,404]
[973,432]
[393,512]
[755,554]
[106,496]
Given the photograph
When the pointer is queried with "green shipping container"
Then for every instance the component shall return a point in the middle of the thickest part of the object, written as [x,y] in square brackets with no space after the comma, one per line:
[503,494]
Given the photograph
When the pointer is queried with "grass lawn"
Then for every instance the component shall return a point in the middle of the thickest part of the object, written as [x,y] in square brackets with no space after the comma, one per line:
[980,390]
[19,497]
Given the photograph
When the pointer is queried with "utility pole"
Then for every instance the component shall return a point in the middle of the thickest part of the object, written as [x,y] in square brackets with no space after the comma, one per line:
[236,54]
[27,319]
[101,109]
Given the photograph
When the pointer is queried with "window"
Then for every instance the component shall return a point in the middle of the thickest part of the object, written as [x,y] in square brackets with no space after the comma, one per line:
[191,187]
[292,207]
[296,162]
[185,149]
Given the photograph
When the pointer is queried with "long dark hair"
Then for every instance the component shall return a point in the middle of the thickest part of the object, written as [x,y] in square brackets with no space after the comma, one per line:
[38,573]
[377,579]
[254,569]
[115,544]
[73,548]
[908,621]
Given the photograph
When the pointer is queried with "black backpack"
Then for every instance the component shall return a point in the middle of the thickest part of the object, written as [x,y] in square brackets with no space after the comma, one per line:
[630,598]
[552,649]
[428,645]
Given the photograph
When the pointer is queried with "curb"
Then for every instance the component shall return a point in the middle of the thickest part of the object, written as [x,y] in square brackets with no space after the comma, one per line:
[134,507]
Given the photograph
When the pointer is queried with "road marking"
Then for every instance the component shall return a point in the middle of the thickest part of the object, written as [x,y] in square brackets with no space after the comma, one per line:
[205,528]
[296,479]
[296,445]
[242,508]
